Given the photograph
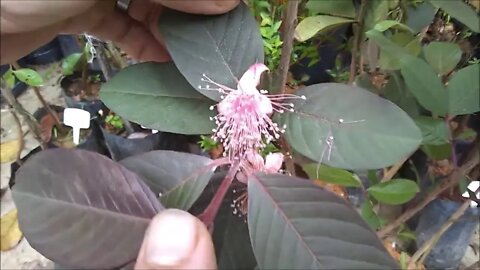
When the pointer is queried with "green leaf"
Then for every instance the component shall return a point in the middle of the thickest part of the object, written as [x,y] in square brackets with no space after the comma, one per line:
[311,26]
[294,224]
[366,139]
[396,91]
[425,85]
[179,178]
[334,8]
[70,63]
[404,260]
[395,191]
[373,177]
[222,47]
[387,24]
[464,91]
[157,96]
[28,76]
[369,215]
[377,10]
[437,152]
[409,44]
[434,131]
[442,56]
[331,175]
[420,16]
[460,11]
[468,134]
[9,78]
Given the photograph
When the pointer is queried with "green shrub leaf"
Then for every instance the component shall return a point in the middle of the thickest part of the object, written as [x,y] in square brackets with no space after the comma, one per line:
[311,26]
[28,76]
[442,56]
[331,175]
[395,191]
[157,96]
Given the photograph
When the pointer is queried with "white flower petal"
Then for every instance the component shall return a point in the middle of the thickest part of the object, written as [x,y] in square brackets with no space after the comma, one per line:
[251,78]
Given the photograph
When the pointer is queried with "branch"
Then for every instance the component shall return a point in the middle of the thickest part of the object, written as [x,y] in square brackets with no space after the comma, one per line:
[209,214]
[20,138]
[357,38]
[107,73]
[290,21]
[390,173]
[289,30]
[51,112]
[425,249]
[27,117]
[454,179]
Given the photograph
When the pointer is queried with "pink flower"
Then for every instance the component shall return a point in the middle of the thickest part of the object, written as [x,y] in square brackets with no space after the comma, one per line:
[273,162]
[243,120]
[254,163]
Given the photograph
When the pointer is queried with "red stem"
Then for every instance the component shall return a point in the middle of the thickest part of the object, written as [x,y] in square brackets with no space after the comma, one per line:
[209,214]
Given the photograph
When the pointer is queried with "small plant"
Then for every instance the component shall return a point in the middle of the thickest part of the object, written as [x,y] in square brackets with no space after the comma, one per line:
[114,121]
[207,143]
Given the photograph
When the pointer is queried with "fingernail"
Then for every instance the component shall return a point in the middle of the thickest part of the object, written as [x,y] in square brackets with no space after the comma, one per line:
[171,238]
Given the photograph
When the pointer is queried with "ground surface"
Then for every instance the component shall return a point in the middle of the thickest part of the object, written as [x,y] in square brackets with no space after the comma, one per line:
[23,256]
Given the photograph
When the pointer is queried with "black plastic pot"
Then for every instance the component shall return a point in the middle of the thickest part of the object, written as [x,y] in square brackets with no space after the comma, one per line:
[68,44]
[450,249]
[55,50]
[48,53]
[93,106]
[327,52]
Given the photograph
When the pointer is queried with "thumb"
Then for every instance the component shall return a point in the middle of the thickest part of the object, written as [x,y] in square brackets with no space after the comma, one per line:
[176,240]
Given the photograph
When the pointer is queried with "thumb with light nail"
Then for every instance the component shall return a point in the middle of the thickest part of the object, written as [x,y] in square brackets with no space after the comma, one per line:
[176,240]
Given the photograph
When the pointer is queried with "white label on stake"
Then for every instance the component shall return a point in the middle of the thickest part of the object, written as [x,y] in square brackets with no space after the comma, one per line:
[77,119]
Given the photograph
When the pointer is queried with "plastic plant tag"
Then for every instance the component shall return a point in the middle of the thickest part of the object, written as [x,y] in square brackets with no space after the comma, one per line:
[153,130]
[77,119]
[473,187]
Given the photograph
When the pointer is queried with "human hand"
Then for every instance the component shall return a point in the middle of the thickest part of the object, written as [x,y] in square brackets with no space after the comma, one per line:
[176,240]
[26,25]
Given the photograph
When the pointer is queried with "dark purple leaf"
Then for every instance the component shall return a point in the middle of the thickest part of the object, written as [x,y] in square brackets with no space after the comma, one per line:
[81,209]
[295,224]
[179,178]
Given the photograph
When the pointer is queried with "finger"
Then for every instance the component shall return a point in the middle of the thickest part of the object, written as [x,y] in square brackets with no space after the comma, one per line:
[28,15]
[17,45]
[130,35]
[140,10]
[207,7]
[176,240]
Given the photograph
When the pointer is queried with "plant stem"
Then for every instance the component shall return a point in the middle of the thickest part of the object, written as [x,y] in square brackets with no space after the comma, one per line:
[27,117]
[393,170]
[86,87]
[452,143]
[20,138]
[209,214]
[357,38]
[287,152]
[116,56]
[425,249]
[107,73]
[456,176]
[287,38]
[51,112]
[290,21]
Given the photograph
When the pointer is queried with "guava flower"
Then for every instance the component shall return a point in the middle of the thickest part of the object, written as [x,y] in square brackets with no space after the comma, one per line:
[253,162]
[243,119]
